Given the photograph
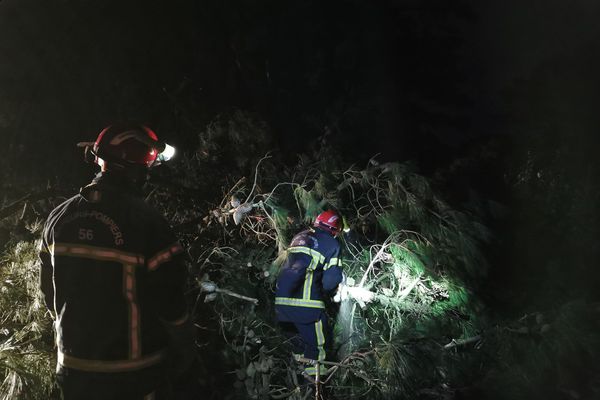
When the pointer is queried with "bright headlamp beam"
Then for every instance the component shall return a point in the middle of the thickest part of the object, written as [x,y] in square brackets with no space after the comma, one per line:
[167,153]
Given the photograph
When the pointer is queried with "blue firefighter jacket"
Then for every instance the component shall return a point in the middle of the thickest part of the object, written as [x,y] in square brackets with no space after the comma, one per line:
[311,273]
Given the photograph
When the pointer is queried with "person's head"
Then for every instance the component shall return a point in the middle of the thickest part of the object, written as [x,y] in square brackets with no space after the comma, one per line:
[329,221]
[131,149]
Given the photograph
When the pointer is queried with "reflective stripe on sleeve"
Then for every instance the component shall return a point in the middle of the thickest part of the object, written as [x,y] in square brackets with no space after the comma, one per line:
[96,253]
[164,255]
[82,364]
[289,301]
[334,262]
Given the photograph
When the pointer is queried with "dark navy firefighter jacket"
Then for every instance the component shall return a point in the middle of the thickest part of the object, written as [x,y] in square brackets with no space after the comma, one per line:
[113,273]
[310,274]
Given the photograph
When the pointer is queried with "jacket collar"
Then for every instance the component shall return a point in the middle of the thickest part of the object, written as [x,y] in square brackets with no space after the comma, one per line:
[115,182]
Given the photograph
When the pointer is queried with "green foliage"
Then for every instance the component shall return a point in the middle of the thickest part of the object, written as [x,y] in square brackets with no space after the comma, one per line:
[27,358]
[309,203]
[417,255]
[234,139]
[420,257]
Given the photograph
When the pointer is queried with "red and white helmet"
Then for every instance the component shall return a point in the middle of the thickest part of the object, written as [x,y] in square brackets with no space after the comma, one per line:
[127,145]
[330,221]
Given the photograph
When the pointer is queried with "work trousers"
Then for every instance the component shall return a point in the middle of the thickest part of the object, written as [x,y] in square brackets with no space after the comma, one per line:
[309,340]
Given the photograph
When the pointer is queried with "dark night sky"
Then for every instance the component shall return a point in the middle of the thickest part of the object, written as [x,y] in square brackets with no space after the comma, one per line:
[412,79]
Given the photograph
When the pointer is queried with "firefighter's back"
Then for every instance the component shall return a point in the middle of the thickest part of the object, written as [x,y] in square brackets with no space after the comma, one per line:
[103,244]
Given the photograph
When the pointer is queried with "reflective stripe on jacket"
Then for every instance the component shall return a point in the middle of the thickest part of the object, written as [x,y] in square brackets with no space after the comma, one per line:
[311,271]
[112,273]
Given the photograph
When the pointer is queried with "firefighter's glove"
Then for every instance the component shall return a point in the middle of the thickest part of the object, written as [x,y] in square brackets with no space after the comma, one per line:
[347,290]
[341,292]
[360,294]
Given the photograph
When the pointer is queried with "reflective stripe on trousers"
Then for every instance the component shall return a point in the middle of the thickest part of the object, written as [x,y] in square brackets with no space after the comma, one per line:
[314,337]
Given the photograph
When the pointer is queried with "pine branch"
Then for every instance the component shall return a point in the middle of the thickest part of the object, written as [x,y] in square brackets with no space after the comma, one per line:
[462,342]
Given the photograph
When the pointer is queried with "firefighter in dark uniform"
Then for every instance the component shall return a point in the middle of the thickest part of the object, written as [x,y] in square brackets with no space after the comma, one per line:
[113,276]
[308,277]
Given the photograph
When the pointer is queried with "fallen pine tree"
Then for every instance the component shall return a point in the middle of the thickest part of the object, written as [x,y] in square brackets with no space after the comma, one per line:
[415,326]
[412,325]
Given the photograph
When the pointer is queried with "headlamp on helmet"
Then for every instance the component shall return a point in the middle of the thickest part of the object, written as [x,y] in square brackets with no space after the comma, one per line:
[128,146]
[167,153]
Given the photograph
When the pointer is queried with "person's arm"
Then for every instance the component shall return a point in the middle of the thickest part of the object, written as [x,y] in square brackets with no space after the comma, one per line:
[167,278]
[46,280]
[332,272]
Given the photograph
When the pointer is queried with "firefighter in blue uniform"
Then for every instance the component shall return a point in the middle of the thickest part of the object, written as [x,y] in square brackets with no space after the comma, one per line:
[308,277]
[113,277]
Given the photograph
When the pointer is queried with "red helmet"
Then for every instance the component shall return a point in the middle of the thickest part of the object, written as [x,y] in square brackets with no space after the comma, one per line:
[127,145]
[330,221]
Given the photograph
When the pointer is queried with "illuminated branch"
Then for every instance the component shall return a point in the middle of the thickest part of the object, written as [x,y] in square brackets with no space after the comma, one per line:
[236,295]
[211,288]
[462,342]
[267,156]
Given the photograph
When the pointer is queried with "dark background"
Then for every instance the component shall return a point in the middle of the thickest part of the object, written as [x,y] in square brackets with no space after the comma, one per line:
[493,100]
[412,79]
